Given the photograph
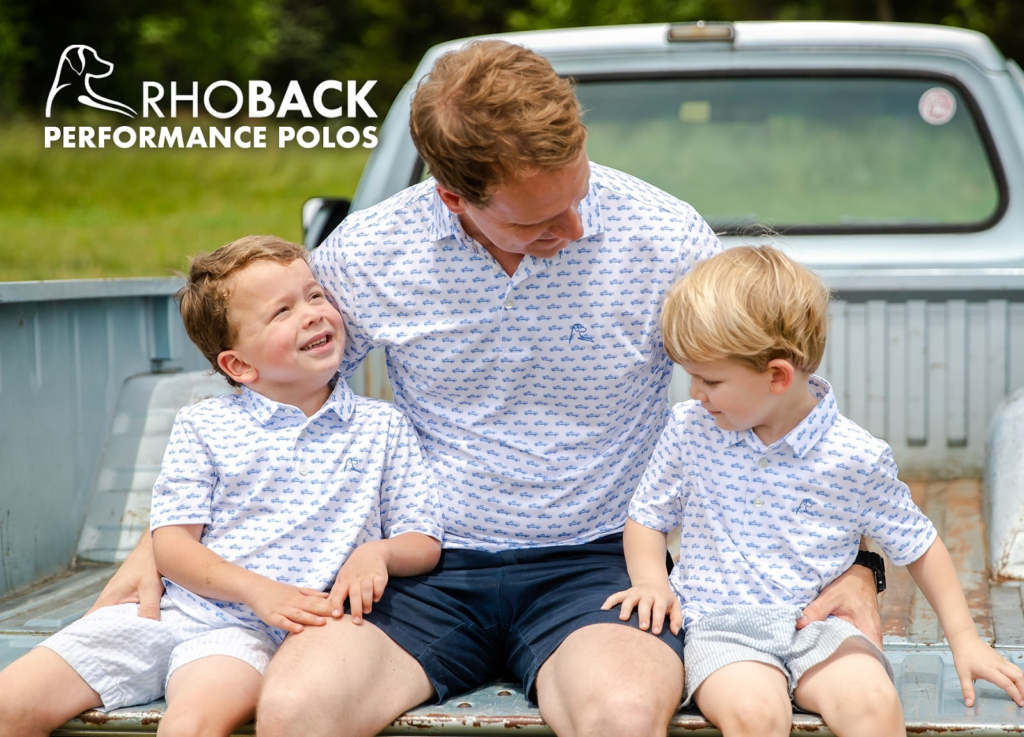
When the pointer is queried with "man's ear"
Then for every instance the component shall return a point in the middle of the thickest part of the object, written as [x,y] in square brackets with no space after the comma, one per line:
[235,367]
[781,375]
[452,201]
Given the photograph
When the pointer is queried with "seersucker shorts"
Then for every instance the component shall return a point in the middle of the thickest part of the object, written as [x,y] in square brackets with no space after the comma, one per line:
[128,659]
[764,634]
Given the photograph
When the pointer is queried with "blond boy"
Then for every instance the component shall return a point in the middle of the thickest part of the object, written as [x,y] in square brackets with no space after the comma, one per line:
[774,489]
[262,497]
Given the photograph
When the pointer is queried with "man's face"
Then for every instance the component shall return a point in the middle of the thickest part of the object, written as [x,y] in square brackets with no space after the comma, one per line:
[536,214]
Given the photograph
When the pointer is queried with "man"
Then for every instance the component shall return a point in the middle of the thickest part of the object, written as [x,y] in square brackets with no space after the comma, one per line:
[516,295]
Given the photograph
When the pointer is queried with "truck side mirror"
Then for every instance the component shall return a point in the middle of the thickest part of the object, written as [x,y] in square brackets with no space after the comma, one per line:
[320,216]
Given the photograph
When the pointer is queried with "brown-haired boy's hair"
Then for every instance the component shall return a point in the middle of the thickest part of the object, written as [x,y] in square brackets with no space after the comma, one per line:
[750,304]
[490,112]
[203,301]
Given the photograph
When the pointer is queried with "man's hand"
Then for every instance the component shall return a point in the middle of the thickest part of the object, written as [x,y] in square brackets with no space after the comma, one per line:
[135,582]
[851,597]
[653,602]
[287,607]
[361,580]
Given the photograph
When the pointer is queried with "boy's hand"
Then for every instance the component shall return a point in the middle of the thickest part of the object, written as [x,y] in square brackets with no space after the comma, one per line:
[653,602]
[361,580]
[974,659]
[288,607]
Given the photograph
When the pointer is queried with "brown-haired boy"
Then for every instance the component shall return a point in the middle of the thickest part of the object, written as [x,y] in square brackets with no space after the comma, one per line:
[263,496]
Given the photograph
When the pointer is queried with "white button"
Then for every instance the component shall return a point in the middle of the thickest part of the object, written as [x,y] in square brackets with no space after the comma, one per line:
[759,502]
[303,469]
[763,463]
[509,304]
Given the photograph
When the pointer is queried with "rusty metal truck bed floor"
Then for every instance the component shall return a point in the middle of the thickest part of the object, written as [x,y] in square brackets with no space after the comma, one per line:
[924,670]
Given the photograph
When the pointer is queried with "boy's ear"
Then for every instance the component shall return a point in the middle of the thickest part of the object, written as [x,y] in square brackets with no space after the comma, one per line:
[781,375]
[235,366]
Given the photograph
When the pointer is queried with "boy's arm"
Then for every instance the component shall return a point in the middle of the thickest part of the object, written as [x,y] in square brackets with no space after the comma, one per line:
[936,576]
[190,564]
[365,574]
[650,593]
[409,526]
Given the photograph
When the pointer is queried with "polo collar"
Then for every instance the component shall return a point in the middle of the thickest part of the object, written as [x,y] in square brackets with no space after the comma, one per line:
[808,432]
[341,402]
[805,436]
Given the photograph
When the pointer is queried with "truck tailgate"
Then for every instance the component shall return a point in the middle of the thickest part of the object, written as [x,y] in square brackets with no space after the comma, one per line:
[925,676]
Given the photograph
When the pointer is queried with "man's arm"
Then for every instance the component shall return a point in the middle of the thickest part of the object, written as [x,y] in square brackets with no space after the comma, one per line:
[852,597]
[136,581]
[190,564]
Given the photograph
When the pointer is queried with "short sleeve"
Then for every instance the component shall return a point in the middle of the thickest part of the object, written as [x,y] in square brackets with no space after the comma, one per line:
[408,495]
[890,517]
[657,501]
[332,270]
[183,492]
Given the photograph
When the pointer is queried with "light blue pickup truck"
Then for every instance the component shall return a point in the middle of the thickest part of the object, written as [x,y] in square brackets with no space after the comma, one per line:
[890,157]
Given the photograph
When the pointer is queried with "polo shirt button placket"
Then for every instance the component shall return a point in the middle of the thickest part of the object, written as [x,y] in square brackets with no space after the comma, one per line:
[758,501]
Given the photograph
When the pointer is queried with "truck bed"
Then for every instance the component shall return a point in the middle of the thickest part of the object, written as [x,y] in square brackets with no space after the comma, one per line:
[925,676]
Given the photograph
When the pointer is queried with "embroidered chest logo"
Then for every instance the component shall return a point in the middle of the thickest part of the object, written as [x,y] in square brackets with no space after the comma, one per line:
[350,465]
[807,507]
[579,332]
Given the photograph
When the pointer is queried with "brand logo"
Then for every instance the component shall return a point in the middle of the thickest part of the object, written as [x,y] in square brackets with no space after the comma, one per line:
[78,66]
[807,507]
[579,332]
[350,465]
[332,99]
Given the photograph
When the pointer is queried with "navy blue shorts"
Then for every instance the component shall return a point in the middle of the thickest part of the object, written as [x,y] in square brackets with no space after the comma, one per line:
[481,616]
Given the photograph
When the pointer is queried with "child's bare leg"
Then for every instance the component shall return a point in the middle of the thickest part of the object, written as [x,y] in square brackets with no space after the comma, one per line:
[747,698]
[39,692]
[853,693]
[210,697]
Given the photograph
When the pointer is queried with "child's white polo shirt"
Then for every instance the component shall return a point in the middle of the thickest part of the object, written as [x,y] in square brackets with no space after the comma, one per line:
[290,496]
[774,524]
[537,396]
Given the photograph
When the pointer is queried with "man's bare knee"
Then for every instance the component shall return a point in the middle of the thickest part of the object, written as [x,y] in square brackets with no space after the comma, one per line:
[610,679]
[342,679]
[618,716]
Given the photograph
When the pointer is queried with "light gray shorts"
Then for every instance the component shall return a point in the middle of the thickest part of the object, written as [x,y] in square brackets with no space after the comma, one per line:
[763,634]
[128,659]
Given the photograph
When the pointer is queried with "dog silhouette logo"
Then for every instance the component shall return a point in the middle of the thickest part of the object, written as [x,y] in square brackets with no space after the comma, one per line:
[78,66]
[579,332]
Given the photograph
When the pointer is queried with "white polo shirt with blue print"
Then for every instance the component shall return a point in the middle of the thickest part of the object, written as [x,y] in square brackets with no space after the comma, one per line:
[290,496]
[538,397]
[774,524]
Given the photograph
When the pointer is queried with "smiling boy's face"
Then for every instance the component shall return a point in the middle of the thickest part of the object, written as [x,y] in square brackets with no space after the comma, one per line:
[290,337]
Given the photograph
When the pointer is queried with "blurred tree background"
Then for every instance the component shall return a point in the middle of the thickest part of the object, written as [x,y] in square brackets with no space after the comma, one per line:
[313,40]
[77,212]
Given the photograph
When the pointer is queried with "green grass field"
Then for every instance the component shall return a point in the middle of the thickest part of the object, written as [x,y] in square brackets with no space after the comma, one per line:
[84,213]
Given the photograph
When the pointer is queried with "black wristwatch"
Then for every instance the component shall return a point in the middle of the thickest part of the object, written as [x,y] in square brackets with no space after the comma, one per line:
[877,565]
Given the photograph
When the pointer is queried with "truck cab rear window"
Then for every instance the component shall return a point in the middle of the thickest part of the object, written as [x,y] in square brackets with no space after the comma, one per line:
[802,154]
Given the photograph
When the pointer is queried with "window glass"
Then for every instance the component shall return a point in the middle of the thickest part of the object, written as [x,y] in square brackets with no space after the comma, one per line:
[835,154]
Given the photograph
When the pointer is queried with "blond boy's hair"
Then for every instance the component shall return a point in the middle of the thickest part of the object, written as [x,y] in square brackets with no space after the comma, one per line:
[204,300]
[750,304]
[493,111]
